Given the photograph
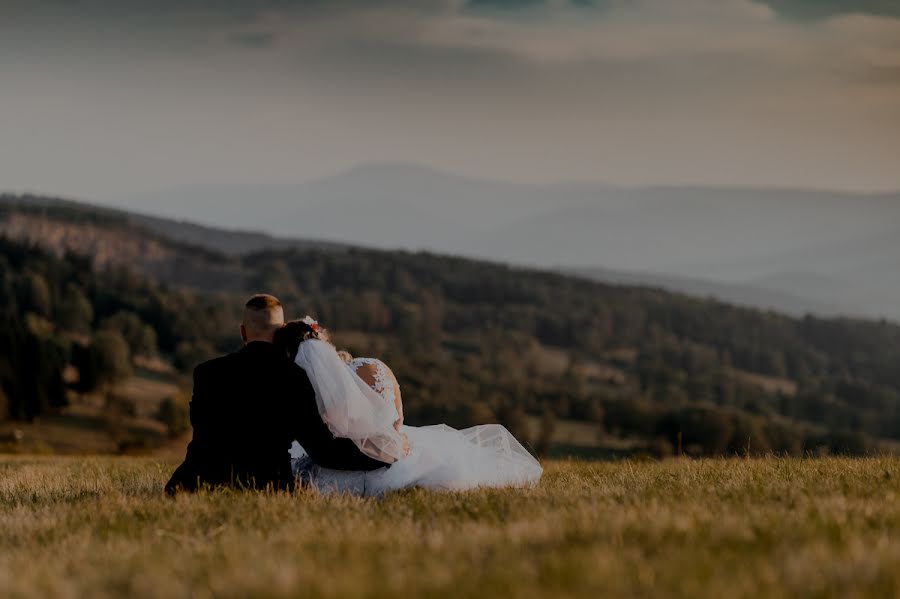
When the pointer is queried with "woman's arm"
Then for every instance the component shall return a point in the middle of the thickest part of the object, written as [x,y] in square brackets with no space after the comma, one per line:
[379,377]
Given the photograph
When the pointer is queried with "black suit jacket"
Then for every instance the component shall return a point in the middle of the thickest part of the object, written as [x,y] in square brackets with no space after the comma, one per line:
[247,409]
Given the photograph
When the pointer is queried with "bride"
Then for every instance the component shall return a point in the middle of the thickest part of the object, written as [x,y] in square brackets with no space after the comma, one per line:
[359,399]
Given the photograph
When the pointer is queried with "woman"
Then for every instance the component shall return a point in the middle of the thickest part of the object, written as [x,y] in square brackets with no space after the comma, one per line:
[360,399]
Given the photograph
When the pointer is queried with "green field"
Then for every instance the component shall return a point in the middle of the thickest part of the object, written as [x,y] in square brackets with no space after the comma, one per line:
[94,527]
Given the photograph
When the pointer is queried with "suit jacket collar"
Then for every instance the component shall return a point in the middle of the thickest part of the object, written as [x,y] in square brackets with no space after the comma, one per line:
[260,347]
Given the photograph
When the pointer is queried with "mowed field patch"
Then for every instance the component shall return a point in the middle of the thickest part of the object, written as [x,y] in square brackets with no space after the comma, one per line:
[123,417]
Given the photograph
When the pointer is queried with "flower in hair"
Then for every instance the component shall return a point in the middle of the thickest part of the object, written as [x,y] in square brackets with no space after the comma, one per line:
[311,323]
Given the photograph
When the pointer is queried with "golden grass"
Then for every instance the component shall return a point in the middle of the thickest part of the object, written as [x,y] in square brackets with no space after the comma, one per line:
[76,527]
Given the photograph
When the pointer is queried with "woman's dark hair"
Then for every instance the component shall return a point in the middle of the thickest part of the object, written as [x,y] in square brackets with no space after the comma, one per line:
[293,333]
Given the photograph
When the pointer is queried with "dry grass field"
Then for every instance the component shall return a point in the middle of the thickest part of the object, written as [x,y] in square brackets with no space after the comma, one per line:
[99,527]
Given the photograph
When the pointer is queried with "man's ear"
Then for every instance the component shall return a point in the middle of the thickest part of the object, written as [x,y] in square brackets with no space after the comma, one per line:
[243,334]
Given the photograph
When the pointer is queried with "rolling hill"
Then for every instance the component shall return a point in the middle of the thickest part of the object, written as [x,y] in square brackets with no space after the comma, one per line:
[572,365]
[755,296]
[823,252]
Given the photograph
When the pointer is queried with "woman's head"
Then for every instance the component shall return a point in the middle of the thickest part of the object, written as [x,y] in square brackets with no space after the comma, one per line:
[293,333]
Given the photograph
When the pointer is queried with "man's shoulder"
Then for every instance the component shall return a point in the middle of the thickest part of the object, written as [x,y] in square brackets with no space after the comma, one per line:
[225,362]
[244,359]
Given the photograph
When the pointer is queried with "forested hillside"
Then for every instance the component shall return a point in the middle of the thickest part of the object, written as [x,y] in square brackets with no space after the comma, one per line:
[625,369]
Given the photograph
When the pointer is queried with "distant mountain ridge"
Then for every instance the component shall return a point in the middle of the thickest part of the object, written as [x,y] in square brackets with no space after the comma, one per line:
[794,251]
[66,225]
[817,250]
[740,295]
[646,229]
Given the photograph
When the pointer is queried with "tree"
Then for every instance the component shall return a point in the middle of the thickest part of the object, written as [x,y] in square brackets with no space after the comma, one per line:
[748,437]
[105,361]
[145,341]
[30,371]
[174,412]
[37,294]
[275,277]
[516,421]
[708,428]
[546,429]
[189,354]
[75,312]
[140,337]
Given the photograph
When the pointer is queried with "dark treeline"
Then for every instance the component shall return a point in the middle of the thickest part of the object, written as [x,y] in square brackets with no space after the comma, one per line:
[59,312]
[477,342]
[467,338]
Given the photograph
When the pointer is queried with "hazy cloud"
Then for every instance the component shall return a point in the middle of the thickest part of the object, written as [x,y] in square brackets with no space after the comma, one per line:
[253,39]
[821,9]
[100,96]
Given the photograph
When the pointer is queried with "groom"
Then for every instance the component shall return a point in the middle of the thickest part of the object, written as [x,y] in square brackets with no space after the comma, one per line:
[247,409]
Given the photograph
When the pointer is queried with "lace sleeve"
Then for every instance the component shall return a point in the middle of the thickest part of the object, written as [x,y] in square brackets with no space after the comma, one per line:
[382,380]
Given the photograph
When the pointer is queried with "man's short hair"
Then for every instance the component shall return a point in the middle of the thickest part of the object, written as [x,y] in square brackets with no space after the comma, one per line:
[263,301]
[263,313]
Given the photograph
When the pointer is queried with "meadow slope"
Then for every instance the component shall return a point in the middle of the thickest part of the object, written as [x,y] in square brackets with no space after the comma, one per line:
[771,527]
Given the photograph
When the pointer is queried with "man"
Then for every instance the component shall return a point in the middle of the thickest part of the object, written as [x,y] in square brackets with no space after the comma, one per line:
[247,409]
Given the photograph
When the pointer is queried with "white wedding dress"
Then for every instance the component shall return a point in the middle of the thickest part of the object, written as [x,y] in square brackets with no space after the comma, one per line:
[440,457]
